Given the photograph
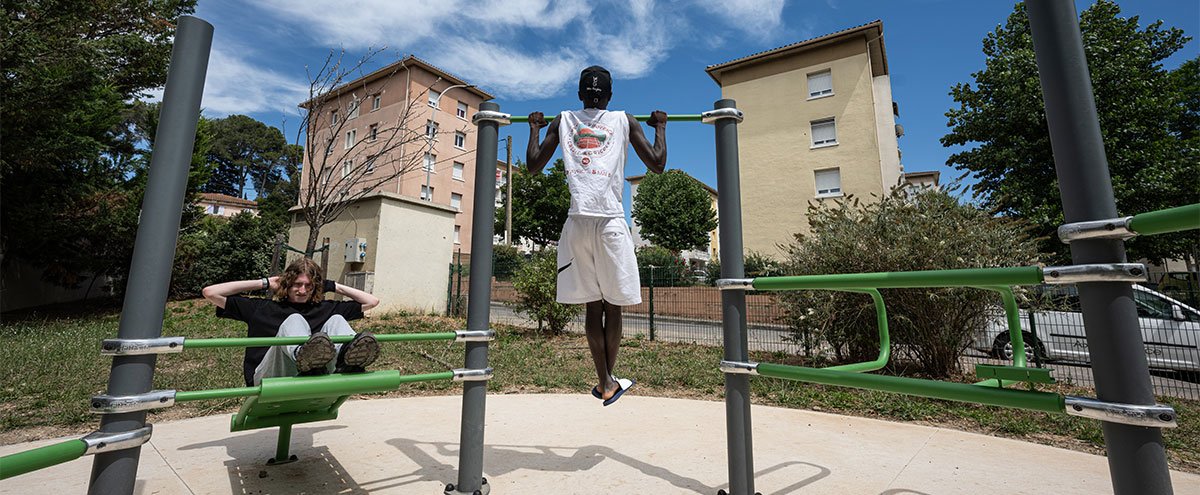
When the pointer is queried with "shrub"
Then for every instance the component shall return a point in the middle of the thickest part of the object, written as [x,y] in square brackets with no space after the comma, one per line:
[669,269]
[924,231]
[218,249]
[756,264]
[535,282]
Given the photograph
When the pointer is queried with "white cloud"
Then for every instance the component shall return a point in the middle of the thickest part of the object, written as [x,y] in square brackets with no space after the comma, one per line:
[759,19]
[509,72]
[235,86]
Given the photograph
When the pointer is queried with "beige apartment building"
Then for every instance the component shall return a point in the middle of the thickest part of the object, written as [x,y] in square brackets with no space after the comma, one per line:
[364,108]
[820,125]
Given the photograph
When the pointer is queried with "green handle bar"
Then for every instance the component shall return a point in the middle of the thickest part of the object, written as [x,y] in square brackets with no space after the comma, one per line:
[970,277]
[41,457]
[337,339]
[885,343]
[1165,221]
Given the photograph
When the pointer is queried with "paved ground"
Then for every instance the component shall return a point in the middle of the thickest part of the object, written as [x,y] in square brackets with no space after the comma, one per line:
[569,444]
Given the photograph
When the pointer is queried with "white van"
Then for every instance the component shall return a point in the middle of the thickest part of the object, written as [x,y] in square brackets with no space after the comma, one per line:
[1170,330]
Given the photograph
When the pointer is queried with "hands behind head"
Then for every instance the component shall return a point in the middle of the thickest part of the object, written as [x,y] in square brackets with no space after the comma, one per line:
[273,283]
[658,119]
[537,120]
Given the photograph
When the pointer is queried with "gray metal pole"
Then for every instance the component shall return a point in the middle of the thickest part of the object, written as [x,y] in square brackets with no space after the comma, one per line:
[154,247]
[1137,460]
[733,306]
[470,454]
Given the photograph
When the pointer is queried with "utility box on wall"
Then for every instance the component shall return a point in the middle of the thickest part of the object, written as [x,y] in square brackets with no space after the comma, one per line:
[364,281]
[356,250]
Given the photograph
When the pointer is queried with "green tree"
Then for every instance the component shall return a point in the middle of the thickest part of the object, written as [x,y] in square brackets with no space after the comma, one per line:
[540,204]
[74,136]
[284,194]
[245,150]
[1147,115]
[674,211]
[931,230]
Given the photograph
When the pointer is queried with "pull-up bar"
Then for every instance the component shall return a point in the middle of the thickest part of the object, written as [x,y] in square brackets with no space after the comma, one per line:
[691,117]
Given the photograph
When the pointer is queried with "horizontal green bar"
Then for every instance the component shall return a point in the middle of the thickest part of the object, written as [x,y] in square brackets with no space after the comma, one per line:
[641,118]
[337,339]
[962,392]
[1025,275]
[308,387]
[219,393]
[1169,220]
[41,457]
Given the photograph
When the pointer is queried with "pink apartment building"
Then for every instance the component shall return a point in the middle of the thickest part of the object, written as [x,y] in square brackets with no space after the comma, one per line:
[444,117]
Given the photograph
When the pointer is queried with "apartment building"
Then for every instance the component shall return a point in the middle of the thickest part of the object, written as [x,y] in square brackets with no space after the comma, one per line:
[820,125]
[367,108]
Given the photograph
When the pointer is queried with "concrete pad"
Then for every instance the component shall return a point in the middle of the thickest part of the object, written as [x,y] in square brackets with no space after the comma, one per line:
[552,443]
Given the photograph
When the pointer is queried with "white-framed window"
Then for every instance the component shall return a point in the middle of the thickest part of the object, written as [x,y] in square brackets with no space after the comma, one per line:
[333,117]
[352,109]
[431,129]
[325,175]
[824,133]
[351,136]
[371,163]
[457,233]
[347,166]
[216,209]
[430,159]
[455,200]
[829,182]
[376,102]
[426,193]
[461,111]
[820,84]
[434,96]
[329,149]
[373,132]
[460,140]
[459,168]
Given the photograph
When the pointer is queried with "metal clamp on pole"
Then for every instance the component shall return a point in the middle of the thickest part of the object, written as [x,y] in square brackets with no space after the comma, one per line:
[1156,416]
[470,375]
[1113,228]
[491,116]
[103,441]
[111,404]
[1111,272]
[735,284]
[134,347]
[721,113]
[739,368]
[474,335]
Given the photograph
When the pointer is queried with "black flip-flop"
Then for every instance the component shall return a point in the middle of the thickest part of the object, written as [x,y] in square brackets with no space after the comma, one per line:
[625,384]
[596,393]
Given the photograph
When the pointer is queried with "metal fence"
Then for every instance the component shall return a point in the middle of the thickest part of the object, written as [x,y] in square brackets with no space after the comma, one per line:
[688,310]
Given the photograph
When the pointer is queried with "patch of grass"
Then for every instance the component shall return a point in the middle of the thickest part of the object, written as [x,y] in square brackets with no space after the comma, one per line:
[59,367]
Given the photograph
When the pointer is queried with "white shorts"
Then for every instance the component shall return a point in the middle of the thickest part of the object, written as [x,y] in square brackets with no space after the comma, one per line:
[596,261]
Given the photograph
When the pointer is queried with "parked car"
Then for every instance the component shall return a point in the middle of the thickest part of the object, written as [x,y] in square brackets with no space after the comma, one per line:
[1170,330]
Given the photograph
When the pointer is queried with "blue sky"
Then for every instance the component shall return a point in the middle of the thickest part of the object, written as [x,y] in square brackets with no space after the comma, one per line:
[529,53]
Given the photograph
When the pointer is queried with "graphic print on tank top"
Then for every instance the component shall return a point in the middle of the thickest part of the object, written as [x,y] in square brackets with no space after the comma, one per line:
[594,148]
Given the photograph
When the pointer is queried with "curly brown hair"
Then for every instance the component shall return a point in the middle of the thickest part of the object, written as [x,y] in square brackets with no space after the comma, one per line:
[302,266]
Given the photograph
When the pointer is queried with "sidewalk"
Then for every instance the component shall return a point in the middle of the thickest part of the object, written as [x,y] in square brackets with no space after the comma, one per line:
[547,443]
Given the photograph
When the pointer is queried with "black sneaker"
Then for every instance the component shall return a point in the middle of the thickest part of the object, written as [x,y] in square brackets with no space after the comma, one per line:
[313,357]
[359,353]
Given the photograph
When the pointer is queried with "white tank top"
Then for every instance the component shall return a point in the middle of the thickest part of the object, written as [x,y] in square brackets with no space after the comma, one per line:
[594,146]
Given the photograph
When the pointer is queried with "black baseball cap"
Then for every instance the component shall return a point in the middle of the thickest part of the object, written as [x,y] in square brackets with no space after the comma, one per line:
[595,82]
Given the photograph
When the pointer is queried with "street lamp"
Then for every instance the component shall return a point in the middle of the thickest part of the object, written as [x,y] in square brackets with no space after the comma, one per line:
[429,135]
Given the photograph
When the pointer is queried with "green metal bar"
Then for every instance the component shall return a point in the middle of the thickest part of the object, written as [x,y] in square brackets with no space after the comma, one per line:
[962,392]
[308,387]
[640,118]
[337,339]
[283,444]
[41,457]
[1169,220]
[885,343]
[1025,275]
[1012,314]
[219,393]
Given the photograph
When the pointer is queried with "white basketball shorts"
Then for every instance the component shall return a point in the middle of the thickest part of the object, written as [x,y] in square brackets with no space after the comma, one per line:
[596,261]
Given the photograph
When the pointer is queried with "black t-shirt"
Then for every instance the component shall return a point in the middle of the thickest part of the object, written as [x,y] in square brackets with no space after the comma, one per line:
[263,317]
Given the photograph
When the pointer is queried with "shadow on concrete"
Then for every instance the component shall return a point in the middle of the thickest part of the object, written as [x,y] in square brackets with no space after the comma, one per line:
[316,470]
[901,491]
